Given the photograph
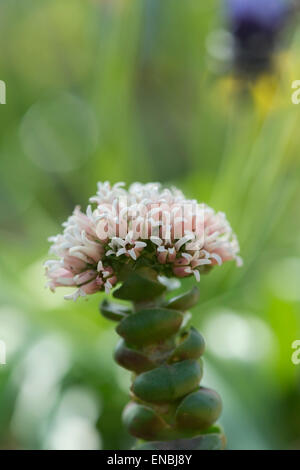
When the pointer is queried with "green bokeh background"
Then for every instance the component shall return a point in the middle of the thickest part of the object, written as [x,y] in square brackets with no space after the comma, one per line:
[125,90]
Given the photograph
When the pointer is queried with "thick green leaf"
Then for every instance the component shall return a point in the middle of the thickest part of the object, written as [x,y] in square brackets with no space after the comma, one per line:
[131,359]
[204,442]
[140,286]
[150,326]
[142,421]
[192,346]
[199,410]
[168,382]
[185,301]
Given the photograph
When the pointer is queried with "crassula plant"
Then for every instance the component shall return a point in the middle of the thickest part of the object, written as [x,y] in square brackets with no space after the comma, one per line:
[133,242]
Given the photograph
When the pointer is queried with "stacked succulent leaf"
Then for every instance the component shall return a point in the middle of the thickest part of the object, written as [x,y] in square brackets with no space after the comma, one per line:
[168,406]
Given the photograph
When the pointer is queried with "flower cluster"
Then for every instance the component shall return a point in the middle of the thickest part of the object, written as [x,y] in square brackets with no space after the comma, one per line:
[177,236]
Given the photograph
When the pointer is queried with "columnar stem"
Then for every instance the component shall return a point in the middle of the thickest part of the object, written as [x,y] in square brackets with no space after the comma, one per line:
[168,406]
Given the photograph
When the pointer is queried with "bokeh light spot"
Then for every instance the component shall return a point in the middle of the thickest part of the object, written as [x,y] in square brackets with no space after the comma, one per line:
[231,336]
[59,134]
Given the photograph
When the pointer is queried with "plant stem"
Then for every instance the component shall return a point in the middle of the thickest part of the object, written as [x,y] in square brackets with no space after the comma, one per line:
[168,405]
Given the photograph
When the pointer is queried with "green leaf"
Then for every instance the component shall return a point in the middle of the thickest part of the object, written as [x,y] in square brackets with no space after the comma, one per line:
[142,421]
[192,346]
[199,410]
[168,382]
[141,285]
[204,442]
[113,311]
[131,359]
[149,326]
[185,301]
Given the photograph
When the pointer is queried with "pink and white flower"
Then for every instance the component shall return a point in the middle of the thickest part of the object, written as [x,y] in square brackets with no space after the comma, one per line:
[129,246]
[145,220]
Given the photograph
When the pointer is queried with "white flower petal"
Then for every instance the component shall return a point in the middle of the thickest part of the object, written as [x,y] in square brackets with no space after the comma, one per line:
[132,254]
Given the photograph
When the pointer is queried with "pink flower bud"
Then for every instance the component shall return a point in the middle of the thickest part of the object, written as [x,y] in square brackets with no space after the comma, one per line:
[181,271]
[84,277]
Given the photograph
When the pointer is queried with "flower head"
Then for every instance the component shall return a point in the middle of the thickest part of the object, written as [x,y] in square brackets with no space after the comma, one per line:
[176,236]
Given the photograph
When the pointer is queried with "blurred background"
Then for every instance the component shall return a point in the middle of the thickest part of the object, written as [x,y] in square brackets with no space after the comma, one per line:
[196,94]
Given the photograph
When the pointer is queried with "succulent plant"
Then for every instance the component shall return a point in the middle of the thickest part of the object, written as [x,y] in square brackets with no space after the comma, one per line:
[134,241]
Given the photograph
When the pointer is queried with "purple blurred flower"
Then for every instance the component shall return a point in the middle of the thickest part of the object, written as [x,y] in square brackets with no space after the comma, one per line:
[256,26]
